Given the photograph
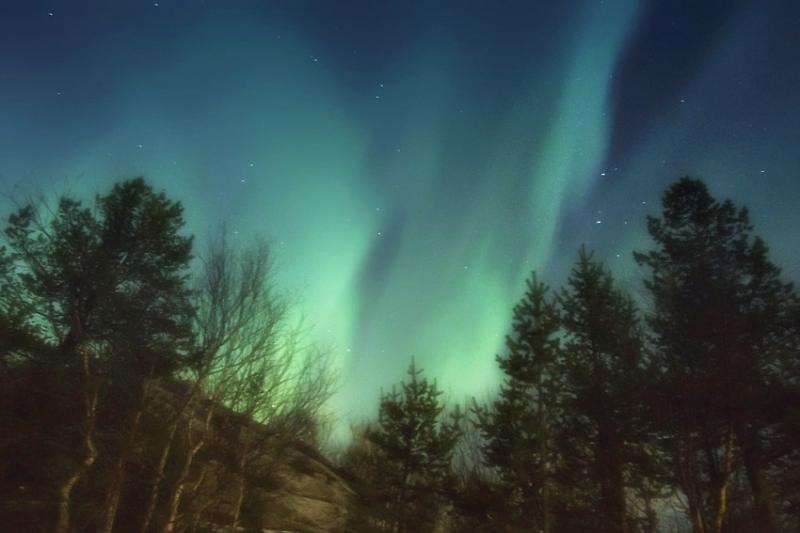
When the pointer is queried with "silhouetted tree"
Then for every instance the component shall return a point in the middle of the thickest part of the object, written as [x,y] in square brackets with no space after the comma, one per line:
[517,427]
[601,431]
[105,287]
[249,360]
[726,337]
[415,444]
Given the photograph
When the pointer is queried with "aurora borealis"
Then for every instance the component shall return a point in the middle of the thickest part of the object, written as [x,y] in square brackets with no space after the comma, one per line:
[412,162]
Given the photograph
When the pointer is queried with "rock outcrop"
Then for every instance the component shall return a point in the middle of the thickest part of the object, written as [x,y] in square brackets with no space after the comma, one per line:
[277,483]
[289,486]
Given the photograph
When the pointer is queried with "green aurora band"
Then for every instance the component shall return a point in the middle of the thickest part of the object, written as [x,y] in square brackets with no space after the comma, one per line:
[408,201]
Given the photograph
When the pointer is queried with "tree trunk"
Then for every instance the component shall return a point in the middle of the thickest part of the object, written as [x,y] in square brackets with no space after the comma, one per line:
[400,504]
[763,503]
[90,450]
[722,482]
[696,516]
[612,488]
[686,460]
[158,478]
[240,489]
[115,491]
[692,492]
[546,507]
[199,507]
[237,505]
[180,483]
[544,454]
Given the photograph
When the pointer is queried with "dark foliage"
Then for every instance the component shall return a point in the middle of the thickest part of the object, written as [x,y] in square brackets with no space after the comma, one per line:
[519,426]
[726,332]
[409,453]
[126,395]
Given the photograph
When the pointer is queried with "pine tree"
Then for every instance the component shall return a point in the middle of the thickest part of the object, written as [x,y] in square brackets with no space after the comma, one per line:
[724,328]
[110,309]
[415,442]
[602,365]
[518,426]
[113,275]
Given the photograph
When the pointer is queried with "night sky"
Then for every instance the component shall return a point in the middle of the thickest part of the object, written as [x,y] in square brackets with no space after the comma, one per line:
[412,162]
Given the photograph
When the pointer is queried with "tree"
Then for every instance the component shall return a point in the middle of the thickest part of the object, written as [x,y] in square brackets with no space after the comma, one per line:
[240,362]
[19,337]
[107,295]
[415,443]
[150,333]
[602,430]
[723,324]
[250,363]
[517,427]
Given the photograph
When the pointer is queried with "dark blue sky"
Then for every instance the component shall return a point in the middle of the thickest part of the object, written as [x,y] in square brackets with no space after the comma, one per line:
[412,162]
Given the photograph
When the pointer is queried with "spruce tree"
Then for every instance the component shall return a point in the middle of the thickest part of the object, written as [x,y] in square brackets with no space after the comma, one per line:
[603,370]
[415,441]
[517,426]
[106,287]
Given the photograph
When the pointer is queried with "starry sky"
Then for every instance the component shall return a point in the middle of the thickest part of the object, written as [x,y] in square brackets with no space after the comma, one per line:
[412,161]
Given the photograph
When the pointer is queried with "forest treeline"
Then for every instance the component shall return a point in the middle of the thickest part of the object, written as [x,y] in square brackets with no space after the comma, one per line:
[144,383]
[138,390]
[675,411]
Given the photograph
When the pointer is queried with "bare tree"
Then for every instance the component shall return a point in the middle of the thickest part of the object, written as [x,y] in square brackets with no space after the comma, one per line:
[285,404]
[251,361]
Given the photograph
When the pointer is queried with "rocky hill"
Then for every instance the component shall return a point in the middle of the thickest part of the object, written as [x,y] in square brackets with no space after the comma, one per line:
[281,484]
